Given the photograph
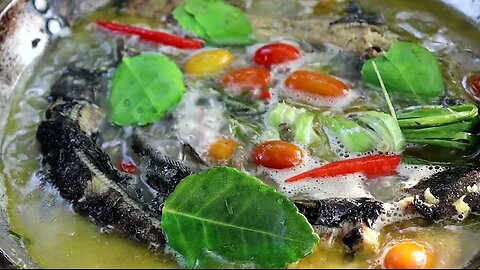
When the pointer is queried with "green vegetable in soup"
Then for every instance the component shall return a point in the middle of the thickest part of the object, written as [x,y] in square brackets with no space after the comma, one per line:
[386,129]
[355,138]
[436,115]
[300,120]
[444,126]
[215,21]
[144,88]
[224,213]
[407,69]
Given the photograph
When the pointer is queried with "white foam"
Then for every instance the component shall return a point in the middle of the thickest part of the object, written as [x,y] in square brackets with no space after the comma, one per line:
[348,186]
[415,173]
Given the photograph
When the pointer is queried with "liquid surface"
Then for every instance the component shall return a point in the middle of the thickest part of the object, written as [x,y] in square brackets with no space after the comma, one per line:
[57,237]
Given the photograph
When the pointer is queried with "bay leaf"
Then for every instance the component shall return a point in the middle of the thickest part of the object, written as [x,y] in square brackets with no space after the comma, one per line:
[215,21]
[144,88]
[407,69]
[225,215]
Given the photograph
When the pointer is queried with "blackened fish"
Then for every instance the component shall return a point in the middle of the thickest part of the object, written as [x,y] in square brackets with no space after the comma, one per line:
[81,171]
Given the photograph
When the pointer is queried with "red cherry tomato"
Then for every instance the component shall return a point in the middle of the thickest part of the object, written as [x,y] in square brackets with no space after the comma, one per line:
[277,155]
[247,79]
[408,255]
[275,53]
[316,83]
[127,166]
[475,84]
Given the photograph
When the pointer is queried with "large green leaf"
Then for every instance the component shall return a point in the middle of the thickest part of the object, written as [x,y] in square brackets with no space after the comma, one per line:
[215,21]
[188,22]
[407,69]
[144,88]
[224,213]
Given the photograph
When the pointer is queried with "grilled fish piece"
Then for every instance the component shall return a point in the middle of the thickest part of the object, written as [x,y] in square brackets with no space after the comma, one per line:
[163,173]
[353,219]
[82,84]
[453,193]
[82,172]
[335,212]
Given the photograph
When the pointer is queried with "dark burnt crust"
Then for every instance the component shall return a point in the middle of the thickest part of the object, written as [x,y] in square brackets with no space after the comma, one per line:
[336,212]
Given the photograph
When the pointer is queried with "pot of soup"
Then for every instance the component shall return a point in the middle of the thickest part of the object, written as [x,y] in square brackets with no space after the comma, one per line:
[240,134]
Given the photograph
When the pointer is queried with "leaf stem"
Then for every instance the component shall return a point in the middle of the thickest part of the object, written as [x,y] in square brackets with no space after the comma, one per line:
[385,93]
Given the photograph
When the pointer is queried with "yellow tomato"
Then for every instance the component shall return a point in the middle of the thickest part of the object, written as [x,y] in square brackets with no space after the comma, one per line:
[208,62]
[222,150]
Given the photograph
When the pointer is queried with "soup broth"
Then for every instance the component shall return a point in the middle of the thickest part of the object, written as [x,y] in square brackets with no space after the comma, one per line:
[57,237]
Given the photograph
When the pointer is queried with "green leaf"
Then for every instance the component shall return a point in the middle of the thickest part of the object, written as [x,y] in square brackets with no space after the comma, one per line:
[144,88]
[188,22]
[215,21]
[224,213]
[407,69]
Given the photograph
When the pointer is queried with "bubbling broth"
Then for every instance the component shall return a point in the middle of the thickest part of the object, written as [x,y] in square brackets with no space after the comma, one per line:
[210,127]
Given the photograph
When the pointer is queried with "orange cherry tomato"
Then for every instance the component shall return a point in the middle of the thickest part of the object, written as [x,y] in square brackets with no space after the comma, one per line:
[277,155]
[222,150]
[316,83]
[408,255]
[275,53]
[247,78]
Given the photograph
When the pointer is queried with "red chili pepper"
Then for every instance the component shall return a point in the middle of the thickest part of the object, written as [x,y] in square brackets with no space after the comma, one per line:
[127,166]
[266,95]
[153,36]
[475,83]
[371,167]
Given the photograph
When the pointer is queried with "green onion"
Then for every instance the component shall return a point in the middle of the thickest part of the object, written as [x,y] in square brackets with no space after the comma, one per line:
[304,132]
[355,138]
[436,116]
[442,126]
[391,137]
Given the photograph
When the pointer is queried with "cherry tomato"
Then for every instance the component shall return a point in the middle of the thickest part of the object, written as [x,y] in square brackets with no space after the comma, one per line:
[247,78]
[408,255]
[222,150]
[275,53]
[127,166]
[475,84]
[209,62]
[277,155]
[316,83]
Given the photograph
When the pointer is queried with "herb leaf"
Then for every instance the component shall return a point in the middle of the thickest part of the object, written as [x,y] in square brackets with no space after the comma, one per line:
[224,213]
[215,21]
[407,69]
[144,88]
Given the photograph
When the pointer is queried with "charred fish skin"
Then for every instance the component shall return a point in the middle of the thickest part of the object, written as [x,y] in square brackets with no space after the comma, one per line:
[84,174]
[453,193]
[82,84]
[352,218]
[163,173]
[336,211]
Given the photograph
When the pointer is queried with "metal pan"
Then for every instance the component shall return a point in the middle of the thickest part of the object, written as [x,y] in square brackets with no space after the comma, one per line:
[26,28]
